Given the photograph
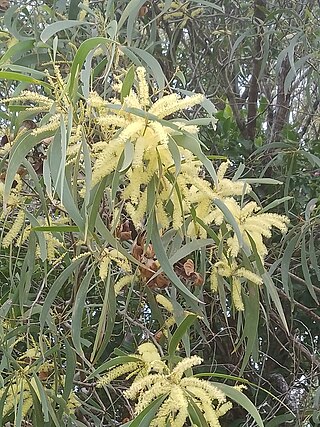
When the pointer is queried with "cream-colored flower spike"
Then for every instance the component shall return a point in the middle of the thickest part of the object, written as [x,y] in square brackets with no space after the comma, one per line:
[136,126]
[177,389]
[235,273]
[250,222]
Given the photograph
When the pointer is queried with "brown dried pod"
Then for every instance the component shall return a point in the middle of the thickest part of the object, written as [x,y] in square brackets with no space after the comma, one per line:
[188,267]
[4,5]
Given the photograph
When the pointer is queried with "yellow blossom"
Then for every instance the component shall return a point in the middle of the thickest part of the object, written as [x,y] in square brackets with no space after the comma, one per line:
[14,230]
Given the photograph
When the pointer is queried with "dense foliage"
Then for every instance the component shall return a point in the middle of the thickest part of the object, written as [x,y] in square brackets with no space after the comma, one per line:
[159,213]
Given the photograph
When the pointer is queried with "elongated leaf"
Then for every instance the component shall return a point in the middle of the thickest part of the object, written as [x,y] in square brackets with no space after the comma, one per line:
[55,289]
[17,49]
[305,270]
[106,321]
[148,414]
[17,156]
[242,400]
[196,414]
[54,28]
[149,61]
[77,313]
[127,83]
[80,58]
[38,388]
[57,228]
[11,75]
[286,262]
[230,219]
[275,203]
[180,332]
[165,265]
[250,332]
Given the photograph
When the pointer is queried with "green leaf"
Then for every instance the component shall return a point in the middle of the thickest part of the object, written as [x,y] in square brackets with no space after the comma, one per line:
[42,397]
[106,321]
[281,420]
[147,415]
[149,61]
[306,271]
[57,228]
[230,219]
[78,308]
[261,181]
[55,289]
[20,149]
[285,264]
[80,58]
[196,414]
[74,9]
[17,49]
[242,400]
[165,264]
[54,28]
[11,75]
[275,203]
[250,331]
[180,332]
[127,83]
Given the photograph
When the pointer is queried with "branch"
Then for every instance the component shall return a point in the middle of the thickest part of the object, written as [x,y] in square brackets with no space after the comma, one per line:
[259,17]
[283,102]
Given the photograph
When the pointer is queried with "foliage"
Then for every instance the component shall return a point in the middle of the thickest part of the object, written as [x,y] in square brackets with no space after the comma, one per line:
[125,229]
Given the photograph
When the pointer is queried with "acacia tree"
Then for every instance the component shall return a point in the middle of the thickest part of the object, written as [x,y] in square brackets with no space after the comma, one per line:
[131,253]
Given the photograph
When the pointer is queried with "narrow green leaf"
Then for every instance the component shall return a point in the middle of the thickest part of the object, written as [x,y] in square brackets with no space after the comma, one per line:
[58,228]
[17,155]
[127,83]
[147,415]
[305,270]
[11,75]
[165,264]
[80,58]
[149,61]
[242,400]
[261,181]
[196,414]
[78,308]
[54,28]
[275,203]
[17,49]
[42,397]
[285,264]
[55,289]
[106,321]
[281,420]
[71,363]
[180,332]
[230,219]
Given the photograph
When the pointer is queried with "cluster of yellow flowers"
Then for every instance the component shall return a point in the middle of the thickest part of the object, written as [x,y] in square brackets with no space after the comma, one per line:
[142,144]
[139,143]
[154,379]
[23,385]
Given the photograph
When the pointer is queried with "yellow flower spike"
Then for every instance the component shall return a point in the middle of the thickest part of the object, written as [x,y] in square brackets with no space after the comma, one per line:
[14,230]
[143,87]
[158,381]
[162,300]
[183,366]
[236,294]
[117,372]
[121,283]
[214,279]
